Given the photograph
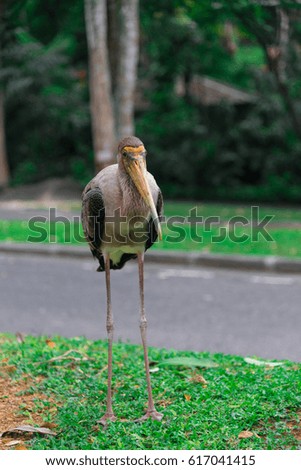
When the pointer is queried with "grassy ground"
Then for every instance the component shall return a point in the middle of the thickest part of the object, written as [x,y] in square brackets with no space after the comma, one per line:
[209,401]
[227,211]
[283,230]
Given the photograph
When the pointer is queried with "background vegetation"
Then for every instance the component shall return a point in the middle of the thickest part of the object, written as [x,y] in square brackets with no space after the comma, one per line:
[225,150]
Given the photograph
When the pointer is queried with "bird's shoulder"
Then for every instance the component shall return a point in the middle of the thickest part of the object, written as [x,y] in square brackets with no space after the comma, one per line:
[154,188]
[108,174]
[106,183]
[151,179]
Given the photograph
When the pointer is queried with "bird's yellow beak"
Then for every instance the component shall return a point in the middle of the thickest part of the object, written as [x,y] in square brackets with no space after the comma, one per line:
[136,169]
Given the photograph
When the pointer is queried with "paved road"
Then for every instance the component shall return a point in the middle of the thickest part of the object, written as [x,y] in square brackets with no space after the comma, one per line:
[245,313]
[52,213]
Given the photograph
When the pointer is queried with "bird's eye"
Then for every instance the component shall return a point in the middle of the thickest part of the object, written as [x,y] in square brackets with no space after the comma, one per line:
[124,154]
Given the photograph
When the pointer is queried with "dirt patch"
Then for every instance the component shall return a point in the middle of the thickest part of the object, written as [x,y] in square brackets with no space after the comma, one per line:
[295,427]
[20,404]
[290,428]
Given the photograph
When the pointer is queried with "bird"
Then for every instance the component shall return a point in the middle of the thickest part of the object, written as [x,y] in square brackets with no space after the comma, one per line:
[121,216]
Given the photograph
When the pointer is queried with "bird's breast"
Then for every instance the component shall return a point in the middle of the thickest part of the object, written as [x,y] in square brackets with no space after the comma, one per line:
[127,236]
[125,230]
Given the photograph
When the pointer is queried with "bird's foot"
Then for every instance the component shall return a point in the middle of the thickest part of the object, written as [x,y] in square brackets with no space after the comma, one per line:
[153,414]
[107,417]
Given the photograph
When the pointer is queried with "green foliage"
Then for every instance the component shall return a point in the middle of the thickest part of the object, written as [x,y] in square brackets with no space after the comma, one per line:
[225,151]
[47,112]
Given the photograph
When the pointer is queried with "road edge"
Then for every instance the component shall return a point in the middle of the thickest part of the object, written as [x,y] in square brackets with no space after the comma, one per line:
[193,259]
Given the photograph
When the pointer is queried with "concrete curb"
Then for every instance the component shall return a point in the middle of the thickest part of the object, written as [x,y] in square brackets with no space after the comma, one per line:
[195,259]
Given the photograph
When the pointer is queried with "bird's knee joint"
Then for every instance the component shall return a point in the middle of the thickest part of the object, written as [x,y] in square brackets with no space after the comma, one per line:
[110,327]
[143,324]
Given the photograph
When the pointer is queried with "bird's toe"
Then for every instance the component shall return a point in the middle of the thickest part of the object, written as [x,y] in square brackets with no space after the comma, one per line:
[107,417]
[154,414]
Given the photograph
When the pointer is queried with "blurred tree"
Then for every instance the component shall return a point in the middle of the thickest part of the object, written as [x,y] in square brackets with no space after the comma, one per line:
[269,22]
[196,149]
[43,76]
[4,168]
[100,83]
[112,33]
[126,66]
[227,148]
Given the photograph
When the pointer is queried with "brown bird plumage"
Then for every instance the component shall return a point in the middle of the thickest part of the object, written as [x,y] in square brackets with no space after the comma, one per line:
[121,207]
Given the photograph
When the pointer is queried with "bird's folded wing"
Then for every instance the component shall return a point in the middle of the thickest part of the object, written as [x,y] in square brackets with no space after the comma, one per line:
[152,234]
[93,216]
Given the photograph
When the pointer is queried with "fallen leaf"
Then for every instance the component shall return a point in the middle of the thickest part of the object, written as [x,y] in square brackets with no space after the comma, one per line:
[188,362]
[27,428]
[187,397]
[165,402]
[256,362]
[12,443]
[245,435]
[48,425]
[64,356]
[197,378]
[50,343]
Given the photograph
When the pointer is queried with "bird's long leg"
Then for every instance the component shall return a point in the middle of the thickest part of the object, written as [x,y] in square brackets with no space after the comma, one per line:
[151,411]
[109,415]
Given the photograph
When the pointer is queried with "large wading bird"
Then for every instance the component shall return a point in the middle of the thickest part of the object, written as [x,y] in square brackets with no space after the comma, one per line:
[121,207]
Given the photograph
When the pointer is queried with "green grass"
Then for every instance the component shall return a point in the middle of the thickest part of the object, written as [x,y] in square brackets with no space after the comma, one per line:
[227,211]
[237,396]
[285,237]
[285,241]
[205,209]
[19,231]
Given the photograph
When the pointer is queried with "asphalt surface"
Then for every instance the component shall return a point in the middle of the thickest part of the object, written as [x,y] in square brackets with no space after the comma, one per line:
[21,213]
[217,310]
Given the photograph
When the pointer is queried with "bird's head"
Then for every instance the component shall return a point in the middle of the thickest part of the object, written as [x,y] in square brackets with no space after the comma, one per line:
[132,156]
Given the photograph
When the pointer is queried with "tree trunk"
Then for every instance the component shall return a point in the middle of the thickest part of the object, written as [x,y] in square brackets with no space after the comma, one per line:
[276,57]
[127,68]
[113,34]
[103,129]
[113,39]
[278,64]
[284,27]
[4,170]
